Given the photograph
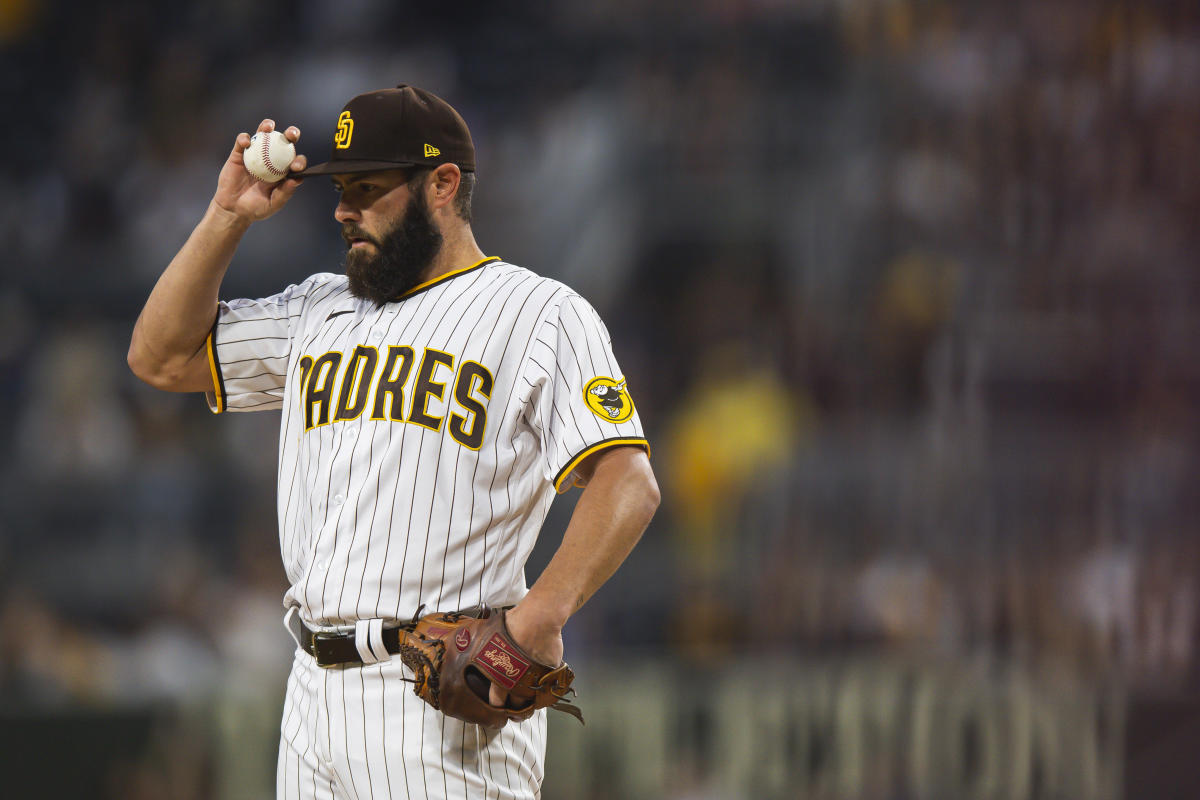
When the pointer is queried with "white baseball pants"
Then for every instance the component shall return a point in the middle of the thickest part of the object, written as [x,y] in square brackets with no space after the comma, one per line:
[359,733]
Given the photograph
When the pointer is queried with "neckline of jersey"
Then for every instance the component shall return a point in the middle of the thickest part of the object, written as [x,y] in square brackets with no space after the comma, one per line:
[443,278]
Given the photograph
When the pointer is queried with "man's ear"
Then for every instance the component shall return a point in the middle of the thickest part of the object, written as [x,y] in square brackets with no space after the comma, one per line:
[444,185]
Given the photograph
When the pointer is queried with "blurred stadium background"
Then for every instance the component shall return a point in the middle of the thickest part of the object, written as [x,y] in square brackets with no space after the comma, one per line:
[906,292]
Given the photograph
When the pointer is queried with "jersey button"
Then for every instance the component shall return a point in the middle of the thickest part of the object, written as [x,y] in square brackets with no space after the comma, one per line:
[351,433]
[322,565]
[337,499]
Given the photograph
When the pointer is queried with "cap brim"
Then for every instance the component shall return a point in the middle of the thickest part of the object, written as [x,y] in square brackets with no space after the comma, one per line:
[350,166]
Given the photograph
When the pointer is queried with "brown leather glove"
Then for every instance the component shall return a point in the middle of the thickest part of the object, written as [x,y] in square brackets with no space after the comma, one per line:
[456,656]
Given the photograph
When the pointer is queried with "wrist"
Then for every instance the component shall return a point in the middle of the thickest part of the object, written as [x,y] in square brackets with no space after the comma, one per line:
[227,219]
[541,614]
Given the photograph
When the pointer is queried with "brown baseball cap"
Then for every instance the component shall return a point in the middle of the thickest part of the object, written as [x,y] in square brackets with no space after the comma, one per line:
[400,127]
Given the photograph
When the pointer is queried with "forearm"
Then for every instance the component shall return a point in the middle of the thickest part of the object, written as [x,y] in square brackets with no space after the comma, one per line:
[168,339]
[615,508]
[177,317]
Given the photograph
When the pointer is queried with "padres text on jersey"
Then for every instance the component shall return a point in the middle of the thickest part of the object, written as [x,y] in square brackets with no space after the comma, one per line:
[363,379]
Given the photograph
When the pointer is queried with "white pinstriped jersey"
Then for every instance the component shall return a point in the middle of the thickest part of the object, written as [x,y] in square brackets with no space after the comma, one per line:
[420,447]
[422,441]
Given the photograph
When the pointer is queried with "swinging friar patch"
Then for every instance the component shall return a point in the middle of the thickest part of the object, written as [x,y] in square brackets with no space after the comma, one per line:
[608,399]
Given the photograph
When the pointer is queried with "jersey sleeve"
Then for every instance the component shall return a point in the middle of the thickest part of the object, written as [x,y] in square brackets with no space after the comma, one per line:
[580,403]
[250,346]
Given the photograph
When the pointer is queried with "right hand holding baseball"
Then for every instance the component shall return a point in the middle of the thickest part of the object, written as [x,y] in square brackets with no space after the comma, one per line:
[240,194]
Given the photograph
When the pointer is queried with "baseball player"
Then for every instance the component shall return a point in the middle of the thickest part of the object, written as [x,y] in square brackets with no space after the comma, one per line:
[433,400]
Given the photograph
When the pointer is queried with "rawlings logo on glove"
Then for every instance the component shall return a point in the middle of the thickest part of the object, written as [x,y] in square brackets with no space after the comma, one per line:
[457,680]
[499,663]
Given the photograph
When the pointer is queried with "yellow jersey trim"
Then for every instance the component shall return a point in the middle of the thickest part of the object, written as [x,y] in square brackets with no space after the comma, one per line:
[566,471]
[218,395]
[452,274]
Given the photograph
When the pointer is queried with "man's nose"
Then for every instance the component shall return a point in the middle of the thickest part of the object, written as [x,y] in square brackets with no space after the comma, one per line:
[345,211]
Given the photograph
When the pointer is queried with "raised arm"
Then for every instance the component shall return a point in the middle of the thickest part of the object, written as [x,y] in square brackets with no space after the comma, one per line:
[167,348]
[617,504]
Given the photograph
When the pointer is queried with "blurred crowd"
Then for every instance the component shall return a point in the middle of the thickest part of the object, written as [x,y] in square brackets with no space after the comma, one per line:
[904,290]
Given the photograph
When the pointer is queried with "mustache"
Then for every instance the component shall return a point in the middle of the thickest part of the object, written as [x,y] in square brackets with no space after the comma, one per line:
[350,232]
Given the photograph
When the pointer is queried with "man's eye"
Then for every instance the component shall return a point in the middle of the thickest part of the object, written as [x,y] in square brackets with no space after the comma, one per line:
[367,187]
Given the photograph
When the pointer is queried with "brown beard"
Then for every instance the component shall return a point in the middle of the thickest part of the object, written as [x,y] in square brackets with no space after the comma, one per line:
[402,257]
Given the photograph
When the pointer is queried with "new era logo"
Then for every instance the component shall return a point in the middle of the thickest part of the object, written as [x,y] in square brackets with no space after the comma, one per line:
[430,150]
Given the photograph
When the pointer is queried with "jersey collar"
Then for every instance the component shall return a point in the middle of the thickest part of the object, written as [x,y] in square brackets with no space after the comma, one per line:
[443,278]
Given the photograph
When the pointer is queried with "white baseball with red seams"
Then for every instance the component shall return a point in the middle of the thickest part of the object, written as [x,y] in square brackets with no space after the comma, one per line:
[268,156]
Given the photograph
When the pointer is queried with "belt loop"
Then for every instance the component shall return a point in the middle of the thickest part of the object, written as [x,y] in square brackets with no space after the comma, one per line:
[361,642]
[291,621]
[375,639]
[368,640]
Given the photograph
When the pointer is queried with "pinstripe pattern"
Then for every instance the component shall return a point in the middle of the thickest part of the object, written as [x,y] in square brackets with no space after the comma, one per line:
[381,516]
[360,733]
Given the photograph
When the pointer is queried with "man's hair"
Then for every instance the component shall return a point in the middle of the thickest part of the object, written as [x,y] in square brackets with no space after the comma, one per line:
[462,200]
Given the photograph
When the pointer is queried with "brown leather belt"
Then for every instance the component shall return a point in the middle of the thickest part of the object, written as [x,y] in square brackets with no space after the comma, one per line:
[336,649]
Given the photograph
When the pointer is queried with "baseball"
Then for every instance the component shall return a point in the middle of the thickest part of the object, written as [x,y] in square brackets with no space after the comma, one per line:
[268,156]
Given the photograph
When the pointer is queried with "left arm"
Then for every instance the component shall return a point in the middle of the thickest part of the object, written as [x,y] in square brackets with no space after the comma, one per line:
[617,504]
